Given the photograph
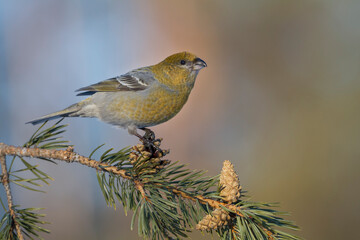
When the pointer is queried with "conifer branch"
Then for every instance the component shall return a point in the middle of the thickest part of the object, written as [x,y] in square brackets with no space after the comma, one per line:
[6,184]
[70,156]
[165,198]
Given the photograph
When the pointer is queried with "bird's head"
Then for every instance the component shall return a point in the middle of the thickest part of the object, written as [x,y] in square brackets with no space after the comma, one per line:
[179,70]
[185,60]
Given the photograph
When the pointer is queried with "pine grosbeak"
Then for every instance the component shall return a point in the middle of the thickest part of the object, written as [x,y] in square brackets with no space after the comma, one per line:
[141,98]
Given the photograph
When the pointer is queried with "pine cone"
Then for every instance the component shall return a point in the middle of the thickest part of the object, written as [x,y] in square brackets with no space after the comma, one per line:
[217,219]
[150,163]
[229,182]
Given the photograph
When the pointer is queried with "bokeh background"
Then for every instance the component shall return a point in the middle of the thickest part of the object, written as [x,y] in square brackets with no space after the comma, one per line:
[280,99]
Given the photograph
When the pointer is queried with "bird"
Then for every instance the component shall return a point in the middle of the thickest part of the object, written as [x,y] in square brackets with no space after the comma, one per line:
[140,98]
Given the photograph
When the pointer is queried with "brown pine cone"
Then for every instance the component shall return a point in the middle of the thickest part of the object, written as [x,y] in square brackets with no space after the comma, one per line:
[217,219]
[150,163]
[229,182]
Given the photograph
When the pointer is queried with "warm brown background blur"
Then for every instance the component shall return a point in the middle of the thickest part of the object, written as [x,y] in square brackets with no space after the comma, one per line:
[280,99]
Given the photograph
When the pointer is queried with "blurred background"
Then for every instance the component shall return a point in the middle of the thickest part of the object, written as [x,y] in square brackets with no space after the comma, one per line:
[280,99]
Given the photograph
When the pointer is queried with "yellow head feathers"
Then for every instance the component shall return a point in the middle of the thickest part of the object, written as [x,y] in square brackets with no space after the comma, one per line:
[178,57]
[179,70]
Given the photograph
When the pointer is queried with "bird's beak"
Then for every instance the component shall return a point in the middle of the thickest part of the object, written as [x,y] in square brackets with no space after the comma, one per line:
[199,64]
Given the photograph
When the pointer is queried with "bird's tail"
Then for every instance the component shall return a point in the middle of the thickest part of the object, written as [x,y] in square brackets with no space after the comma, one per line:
[67,112]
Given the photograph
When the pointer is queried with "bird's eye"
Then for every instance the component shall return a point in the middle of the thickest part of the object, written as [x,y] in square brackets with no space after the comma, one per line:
[182,62]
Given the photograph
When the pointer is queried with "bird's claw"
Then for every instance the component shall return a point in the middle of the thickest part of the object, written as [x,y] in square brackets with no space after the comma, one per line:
[150,142]
[149,135]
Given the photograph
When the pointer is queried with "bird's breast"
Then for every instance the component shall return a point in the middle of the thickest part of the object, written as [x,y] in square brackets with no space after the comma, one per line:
[148,109]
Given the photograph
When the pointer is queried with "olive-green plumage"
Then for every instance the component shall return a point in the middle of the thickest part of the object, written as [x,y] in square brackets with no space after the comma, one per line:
[140,98]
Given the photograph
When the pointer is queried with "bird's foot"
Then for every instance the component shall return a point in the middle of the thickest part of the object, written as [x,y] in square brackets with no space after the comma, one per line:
[150,142]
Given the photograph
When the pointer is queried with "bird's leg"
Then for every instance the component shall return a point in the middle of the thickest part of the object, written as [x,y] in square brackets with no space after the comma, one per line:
[149,134]
[132,131]
[148,139]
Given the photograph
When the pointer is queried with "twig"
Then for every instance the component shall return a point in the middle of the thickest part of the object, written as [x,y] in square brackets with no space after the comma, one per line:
[6,184]
[139,186]
[62,155]
[70,156]
[211,202]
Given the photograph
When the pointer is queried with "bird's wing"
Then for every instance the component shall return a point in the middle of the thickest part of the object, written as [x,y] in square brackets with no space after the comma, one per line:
[136,80]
